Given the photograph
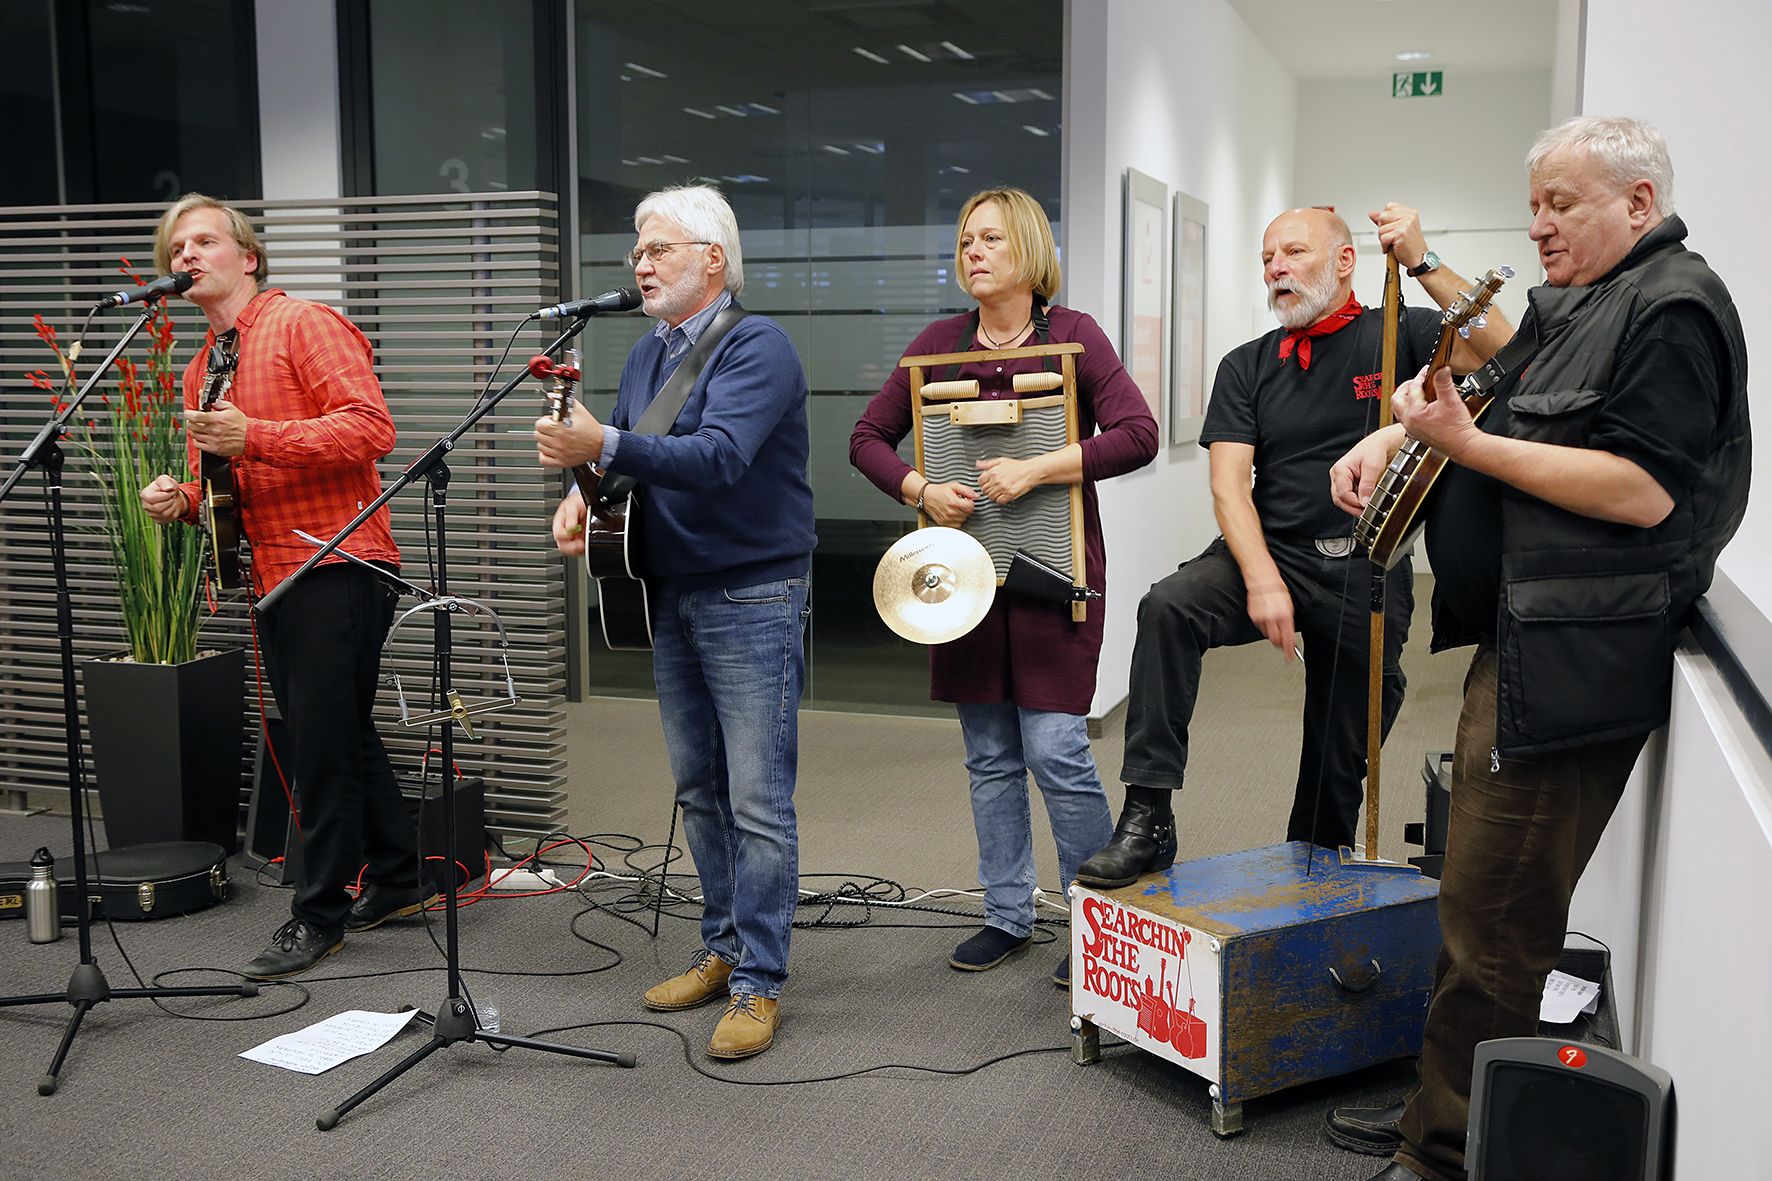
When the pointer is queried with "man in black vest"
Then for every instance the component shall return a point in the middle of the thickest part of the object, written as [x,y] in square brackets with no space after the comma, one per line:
[1569,538]
[1284,406]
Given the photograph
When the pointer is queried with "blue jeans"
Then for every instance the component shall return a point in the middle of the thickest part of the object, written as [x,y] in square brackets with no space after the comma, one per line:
[1003,744]
[730,668]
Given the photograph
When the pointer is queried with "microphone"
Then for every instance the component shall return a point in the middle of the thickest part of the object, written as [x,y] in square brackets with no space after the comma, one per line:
[176,283]
[622,299]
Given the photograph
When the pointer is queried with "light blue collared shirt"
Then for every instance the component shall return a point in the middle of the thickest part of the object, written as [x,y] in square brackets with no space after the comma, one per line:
[678,342]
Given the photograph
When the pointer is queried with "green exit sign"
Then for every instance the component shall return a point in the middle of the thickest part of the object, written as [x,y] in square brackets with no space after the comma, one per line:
[1424,85]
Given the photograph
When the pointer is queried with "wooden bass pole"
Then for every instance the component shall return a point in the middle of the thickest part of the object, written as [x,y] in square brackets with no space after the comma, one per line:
[1387,384]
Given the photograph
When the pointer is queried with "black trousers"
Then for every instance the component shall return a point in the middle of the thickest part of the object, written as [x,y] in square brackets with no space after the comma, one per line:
[1205,605]
[322,650]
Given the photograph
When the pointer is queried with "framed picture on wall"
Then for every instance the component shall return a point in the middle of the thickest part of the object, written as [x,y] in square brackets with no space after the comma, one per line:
[1187,372]
[1144,291]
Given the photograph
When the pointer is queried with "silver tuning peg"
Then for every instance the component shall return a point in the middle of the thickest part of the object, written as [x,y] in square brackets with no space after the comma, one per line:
[1464,330]
[1480,322]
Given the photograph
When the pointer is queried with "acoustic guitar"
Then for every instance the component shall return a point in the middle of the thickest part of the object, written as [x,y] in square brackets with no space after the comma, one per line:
[219,511]
[1389,524]
[613,548]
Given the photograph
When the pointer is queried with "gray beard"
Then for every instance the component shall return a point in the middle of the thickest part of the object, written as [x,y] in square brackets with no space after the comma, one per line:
[676,299]
[1314,299]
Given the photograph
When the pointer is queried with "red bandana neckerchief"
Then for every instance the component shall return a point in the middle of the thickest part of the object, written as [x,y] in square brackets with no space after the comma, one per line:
[1333,322]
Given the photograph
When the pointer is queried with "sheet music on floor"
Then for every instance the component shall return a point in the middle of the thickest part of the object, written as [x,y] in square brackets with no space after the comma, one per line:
[324,1044]
[1567,997]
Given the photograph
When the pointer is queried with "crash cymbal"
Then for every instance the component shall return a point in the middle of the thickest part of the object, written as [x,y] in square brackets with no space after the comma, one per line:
[934,585]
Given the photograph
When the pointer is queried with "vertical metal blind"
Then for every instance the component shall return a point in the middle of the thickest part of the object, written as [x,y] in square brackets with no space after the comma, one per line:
[438,284]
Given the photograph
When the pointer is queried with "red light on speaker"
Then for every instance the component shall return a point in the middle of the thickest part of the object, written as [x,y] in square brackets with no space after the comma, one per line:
[1572,1056]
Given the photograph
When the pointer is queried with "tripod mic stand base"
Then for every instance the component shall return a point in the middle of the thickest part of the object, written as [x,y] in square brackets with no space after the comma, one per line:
[455,1023]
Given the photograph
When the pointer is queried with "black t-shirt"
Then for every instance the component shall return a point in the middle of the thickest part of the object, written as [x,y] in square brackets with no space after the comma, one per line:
[1661,415]
[1301,421]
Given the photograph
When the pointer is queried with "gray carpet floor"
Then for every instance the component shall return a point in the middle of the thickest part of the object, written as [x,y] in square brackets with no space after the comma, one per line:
[148,1094]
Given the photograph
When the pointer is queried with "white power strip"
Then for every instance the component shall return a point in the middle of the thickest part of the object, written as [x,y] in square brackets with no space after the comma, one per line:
[523,881]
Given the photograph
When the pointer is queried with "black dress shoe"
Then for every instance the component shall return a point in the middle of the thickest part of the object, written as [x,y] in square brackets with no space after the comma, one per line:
[1396,1172]
[377,904]
[1371,1130]
[1143,842]
[297,946]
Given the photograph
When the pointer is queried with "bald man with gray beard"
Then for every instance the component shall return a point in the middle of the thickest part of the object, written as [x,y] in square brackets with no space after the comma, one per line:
[1286,405]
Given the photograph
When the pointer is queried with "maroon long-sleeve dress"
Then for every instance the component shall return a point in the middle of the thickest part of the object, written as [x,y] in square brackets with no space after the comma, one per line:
[1024,651]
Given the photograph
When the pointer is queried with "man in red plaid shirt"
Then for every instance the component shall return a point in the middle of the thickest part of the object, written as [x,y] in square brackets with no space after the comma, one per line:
[304,423]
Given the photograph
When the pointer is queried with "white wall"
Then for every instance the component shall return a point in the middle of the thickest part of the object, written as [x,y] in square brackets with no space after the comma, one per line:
[1457,158]
[1696,72]
[1181,91]
[298,98]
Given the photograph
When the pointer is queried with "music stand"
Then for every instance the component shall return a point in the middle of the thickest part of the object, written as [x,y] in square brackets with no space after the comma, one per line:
[87,987]
[455,1019]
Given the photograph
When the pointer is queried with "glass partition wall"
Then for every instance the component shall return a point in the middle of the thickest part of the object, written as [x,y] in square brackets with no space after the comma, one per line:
[846,134]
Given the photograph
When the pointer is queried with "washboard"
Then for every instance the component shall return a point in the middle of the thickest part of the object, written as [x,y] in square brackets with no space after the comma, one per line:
[954,429]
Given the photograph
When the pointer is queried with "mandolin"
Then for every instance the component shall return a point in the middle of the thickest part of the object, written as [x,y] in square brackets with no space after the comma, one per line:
[219,510]
[613,550]
[1389,524]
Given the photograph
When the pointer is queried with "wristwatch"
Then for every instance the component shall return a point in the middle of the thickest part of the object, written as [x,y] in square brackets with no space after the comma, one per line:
[1429,262]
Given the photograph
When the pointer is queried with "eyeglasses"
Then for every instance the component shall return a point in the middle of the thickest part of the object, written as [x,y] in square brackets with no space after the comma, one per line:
[656,251]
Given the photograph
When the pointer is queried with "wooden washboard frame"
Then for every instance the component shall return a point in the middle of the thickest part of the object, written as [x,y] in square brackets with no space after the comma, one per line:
[998,410]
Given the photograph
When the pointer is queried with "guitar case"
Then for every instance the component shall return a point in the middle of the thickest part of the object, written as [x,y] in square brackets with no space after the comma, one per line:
[131,884]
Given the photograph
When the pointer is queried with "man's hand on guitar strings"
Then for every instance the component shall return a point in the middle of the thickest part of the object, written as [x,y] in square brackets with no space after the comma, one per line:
[569,524]
[221,431]
[163,500]
[568,444]
[1356,474]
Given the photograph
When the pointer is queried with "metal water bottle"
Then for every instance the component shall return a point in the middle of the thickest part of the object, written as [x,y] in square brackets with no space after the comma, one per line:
[43,901]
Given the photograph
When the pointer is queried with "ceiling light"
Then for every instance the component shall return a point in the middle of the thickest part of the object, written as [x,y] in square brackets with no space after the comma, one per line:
[872,149]
[631,163]
[834,150]
[1412,57]
[871,56]
[957,51]
[909,52]
[1001,97]
[670,159]
[733,111]
[764,109]
[966,98]
[700,114]
[649,159]
[647,70]
[1032,130]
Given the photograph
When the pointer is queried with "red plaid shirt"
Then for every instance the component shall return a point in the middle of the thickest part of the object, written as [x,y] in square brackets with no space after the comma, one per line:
[318,423]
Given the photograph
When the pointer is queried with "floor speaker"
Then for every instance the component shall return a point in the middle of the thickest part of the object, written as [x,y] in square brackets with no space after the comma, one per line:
[1543,1109]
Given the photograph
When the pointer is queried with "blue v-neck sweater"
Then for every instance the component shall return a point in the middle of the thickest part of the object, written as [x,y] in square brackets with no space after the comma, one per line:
[724,497]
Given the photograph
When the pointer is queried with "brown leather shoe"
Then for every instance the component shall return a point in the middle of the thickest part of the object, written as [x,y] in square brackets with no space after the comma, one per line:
[747,1028]
[703,982]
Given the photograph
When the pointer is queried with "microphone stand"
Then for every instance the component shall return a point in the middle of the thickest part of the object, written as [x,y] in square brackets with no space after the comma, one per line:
[88,986]
[455,1019]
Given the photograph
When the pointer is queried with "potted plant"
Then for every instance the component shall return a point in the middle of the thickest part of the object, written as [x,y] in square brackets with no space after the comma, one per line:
[164,720]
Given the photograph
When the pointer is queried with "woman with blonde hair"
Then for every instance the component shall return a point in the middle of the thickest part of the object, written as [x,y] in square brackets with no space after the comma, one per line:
[1023,679]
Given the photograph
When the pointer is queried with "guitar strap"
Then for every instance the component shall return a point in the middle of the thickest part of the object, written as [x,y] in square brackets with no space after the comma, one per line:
[1507,358]
[661,415]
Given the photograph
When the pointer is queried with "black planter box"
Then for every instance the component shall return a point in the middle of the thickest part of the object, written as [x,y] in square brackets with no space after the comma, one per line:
[167,747]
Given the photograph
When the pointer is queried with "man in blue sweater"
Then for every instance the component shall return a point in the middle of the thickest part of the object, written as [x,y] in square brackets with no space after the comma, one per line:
[727,513]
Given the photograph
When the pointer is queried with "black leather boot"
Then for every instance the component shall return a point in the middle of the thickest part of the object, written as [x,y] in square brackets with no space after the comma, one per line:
[1143,841]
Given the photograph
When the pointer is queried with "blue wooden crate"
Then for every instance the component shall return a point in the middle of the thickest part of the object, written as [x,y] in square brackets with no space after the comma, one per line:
[1258,970]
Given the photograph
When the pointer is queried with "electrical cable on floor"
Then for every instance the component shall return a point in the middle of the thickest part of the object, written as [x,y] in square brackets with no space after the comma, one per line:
[698,1068]
[638,895]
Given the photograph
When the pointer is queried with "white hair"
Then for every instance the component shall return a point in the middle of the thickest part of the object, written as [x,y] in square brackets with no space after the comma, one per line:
[1628,150]
[703,212]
